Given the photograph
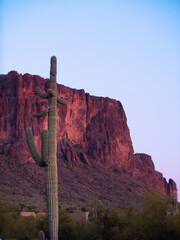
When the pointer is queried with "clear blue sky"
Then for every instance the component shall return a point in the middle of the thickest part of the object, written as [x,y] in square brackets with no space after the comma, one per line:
[126,50]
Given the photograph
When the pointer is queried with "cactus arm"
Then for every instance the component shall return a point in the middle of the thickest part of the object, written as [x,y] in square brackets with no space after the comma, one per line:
[32,148]
[44,147]
[41,94]
[42,114]
[51,92]
[61,101]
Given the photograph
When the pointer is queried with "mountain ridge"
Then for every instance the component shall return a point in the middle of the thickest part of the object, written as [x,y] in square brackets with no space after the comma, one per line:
[90,130]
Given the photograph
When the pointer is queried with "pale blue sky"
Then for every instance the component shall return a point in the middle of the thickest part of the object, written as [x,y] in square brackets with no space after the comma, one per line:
[126,50]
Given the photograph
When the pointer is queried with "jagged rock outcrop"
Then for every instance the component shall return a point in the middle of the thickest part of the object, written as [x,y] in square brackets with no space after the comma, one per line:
[171,188]
[90,130]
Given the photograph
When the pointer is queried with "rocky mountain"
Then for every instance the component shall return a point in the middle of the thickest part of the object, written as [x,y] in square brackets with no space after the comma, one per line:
[95,154]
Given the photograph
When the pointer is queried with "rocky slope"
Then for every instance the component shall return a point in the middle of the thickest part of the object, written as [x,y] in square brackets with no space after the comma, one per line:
[92,134]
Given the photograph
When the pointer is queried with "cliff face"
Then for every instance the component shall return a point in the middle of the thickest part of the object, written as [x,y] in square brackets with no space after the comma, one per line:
[88,126]
[90,129]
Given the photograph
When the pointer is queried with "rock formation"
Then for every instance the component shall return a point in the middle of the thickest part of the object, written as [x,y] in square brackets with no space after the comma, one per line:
[90,130]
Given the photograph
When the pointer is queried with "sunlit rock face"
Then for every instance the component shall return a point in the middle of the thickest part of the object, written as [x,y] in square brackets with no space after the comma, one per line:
[90,129]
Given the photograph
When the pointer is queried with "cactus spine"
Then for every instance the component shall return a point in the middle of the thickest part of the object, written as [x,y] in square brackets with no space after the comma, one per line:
[49,150]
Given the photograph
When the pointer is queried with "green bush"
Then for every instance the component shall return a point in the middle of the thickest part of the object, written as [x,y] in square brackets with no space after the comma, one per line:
[83,209]
[155,221]
[23,228]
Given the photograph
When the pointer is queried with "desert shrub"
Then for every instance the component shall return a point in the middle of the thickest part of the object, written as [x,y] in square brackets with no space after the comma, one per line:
[23,228]
[83,209]
[7,217]
[32,209]
[42,224]
[154,221]
[173,227]
[75,230]
[66,225]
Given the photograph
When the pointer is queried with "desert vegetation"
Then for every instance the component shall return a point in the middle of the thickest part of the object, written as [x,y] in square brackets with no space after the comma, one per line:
[156,220]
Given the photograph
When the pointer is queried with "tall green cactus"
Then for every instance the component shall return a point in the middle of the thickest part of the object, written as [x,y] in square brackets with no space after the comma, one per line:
[49,150]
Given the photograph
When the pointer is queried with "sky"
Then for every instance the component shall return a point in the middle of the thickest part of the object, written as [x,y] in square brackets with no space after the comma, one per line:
[128,50]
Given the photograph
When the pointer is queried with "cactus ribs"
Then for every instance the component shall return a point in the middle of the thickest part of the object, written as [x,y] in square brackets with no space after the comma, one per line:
[48,157]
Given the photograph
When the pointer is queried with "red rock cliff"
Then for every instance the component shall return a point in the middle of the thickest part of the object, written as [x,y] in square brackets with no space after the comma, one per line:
[90,129]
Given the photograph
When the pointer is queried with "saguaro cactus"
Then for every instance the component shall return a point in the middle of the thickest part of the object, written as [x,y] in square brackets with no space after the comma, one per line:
[41,235]
[48,150]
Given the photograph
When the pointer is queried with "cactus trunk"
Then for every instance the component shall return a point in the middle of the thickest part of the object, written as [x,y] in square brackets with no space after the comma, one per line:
[51,169]
[49,148]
